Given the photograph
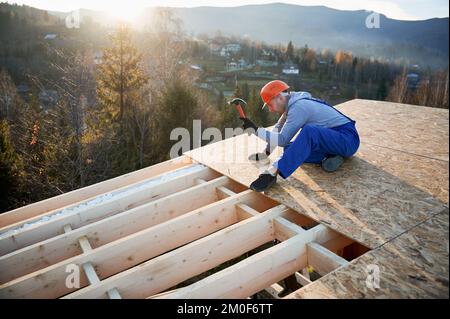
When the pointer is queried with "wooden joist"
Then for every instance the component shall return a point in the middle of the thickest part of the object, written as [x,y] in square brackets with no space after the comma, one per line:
[301,279]
[285,229]
[155,231]
[322,260]
[169,269]
[133,249]
[245,211]
[61,247]
[258,271]
[23,213]
[84,213]
[88,268]
[274,290]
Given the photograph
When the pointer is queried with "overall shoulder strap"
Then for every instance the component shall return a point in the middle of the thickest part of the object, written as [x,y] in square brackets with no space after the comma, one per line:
[325,103]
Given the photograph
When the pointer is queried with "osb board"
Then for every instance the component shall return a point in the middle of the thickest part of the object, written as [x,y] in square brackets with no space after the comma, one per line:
[410,128]
[414,265]
[428,174]
[375,195]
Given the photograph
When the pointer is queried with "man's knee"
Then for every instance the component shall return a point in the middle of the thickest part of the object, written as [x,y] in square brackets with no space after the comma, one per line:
[287,146]
[352,149]
[310,132]
[309,129]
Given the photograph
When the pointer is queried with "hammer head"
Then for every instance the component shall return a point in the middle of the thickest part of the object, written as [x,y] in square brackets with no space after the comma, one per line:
[237,101]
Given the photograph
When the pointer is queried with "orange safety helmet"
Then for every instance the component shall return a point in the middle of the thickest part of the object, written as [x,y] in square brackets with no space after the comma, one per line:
[272,89]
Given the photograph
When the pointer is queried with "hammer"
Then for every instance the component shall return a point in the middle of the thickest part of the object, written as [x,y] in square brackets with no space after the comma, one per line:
[237,102]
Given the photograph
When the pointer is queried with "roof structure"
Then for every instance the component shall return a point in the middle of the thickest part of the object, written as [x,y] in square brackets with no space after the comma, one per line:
[190,227]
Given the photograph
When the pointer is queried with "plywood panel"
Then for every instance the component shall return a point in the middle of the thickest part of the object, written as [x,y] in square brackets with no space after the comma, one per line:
[427,174]
[410,128]
[414,265]
[362,200]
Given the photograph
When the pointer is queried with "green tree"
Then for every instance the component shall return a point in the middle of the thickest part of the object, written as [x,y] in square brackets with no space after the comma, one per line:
[120,75]
[11,168]
[254,109]
[290,51]
[245,92]
[382,90]
[121,83]
[237,91]
[178,108]
[225,111]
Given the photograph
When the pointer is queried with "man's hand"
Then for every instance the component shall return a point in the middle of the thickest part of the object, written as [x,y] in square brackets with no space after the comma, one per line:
[248,124]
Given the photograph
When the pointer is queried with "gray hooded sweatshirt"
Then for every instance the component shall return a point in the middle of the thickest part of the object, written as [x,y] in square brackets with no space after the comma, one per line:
[299,112]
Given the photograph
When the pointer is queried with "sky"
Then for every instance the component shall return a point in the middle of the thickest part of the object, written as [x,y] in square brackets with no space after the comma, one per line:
[396,9]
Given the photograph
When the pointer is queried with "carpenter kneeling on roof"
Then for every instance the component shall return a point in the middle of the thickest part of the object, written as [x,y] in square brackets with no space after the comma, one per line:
[327,136]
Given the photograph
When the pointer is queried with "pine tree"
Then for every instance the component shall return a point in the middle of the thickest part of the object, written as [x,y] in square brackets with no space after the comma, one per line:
[237,91]
[230,114]
[225,111]
[120,74]
[178,108]
[11,168]
[121,85]
[259,116]
[382,90]
[290,51]
[245,92]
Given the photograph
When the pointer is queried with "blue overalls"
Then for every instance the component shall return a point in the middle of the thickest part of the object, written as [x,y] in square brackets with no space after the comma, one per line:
[314,143]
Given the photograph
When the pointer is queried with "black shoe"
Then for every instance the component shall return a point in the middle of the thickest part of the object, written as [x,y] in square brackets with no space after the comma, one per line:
[264,182]
[332,163]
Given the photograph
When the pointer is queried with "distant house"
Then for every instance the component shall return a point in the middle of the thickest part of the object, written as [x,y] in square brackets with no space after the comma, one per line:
[50,36]
[233,47]
[291,69]
[204,85]
[412,80]
[223,52]
[229,49]
[232,66]
[242,63]
[195,67]
[214,47]
[266,63]
[267,53]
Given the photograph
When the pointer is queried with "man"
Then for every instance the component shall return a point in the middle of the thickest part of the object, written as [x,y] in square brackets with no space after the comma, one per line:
[326,135]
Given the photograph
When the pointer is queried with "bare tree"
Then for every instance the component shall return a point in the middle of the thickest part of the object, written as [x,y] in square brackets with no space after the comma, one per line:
[399,90]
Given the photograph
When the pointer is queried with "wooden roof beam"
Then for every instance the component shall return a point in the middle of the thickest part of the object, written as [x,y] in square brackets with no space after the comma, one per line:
[131,250]
[92,212]
[23,213]
[322,260]
[258,271]
[64,246]
[165,271]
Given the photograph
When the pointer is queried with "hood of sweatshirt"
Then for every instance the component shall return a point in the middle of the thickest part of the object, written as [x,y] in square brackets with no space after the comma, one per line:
[295,96]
